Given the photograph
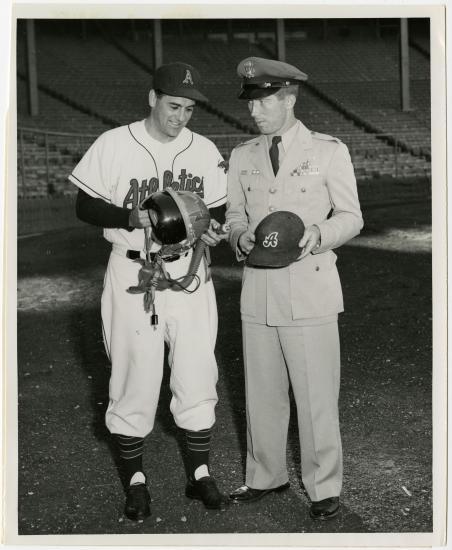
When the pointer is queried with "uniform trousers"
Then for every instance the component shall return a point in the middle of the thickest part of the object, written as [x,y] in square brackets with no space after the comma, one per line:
[307,357]
[187,323]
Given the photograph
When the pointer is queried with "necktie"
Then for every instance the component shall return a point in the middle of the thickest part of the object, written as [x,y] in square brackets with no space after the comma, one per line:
[274,154]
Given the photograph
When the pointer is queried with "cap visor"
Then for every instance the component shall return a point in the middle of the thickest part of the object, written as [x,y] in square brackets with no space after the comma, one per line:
[264,258]
[257,93]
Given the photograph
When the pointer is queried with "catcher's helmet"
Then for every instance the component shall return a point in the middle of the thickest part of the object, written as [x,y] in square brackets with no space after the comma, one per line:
[277,238]
[177,216]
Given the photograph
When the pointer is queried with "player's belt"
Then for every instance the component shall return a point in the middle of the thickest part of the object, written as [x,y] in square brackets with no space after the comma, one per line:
[136,255]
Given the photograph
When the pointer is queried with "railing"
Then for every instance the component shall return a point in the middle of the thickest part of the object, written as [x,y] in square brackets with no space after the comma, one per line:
[45,158]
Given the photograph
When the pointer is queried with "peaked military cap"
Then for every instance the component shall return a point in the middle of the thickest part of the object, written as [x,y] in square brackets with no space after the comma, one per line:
[179,80]
[263,77]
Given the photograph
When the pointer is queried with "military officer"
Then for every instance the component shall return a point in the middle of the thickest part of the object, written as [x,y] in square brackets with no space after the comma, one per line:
[289,314]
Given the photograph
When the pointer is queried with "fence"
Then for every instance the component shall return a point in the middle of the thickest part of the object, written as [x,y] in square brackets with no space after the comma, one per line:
[45,158]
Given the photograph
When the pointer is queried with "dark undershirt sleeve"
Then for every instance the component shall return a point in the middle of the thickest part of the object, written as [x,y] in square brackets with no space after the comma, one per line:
[100,213]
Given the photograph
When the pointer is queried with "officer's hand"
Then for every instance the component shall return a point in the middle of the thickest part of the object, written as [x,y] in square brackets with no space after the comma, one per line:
[214,233]
[309,241]
[139,218]
[246,241]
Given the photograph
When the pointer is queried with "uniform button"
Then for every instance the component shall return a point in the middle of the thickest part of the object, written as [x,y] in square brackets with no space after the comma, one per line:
[271,208]
[317,268]
[303,189]
[272,190]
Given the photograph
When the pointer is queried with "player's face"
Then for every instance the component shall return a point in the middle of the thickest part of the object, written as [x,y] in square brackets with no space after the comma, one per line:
[169,115]
[271,113]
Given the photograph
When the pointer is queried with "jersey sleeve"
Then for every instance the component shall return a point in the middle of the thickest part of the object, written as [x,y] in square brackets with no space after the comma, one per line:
[215,183]
[92,173]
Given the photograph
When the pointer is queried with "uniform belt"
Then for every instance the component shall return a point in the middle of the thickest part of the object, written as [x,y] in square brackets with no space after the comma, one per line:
[136,255]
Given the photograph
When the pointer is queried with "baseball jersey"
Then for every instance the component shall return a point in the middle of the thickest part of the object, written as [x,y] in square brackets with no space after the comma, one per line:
[125,165]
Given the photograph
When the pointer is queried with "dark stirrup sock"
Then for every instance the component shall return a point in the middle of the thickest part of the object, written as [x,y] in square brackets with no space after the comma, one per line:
[198,447]
[131,453]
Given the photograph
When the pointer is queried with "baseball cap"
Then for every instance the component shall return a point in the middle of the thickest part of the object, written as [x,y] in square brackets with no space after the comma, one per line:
[262,77]
[277,238]
[179,80]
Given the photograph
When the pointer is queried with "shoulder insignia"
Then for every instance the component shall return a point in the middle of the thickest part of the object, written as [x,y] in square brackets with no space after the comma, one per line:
[225,165]
[249,142]
[325,137]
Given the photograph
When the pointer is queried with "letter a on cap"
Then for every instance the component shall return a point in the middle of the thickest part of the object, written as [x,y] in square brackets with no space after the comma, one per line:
[271,240]
[188,78]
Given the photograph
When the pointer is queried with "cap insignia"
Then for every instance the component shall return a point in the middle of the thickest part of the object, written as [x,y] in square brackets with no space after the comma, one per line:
[188,78]
[250,70]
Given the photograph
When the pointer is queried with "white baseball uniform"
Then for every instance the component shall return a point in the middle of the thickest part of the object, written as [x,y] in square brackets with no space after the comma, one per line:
[123,167]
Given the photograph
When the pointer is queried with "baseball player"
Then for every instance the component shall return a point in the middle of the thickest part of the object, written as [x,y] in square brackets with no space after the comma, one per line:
[121,168]
[289,314]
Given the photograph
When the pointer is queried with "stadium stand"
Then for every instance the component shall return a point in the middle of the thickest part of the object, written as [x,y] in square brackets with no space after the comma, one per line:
[221,87]
[91,83]
[362,77]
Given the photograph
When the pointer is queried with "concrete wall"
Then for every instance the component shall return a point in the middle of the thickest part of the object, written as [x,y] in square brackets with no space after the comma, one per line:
[45,214]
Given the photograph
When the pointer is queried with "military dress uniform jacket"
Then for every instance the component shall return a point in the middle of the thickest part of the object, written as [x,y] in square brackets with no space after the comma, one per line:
[316,181]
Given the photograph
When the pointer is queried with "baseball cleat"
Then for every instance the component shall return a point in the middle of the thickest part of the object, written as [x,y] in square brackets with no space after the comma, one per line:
[206,490]
[248,494]
[137,502]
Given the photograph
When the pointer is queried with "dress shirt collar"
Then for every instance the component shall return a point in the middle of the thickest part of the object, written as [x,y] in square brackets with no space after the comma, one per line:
[287,137]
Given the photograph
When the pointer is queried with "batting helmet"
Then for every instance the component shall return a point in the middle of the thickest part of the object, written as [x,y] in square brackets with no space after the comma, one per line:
[277,238]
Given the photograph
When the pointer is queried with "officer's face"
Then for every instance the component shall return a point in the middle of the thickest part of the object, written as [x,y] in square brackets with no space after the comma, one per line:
[169,115]
[269,113]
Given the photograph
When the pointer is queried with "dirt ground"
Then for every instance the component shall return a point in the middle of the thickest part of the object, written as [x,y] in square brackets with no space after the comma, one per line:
[68,482]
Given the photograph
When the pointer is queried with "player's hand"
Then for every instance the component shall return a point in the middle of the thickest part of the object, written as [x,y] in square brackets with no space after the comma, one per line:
[139,218]
[246,241]
[309,241]
[214,234]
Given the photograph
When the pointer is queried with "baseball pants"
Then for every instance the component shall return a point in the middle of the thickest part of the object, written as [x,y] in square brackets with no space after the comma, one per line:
[187,323]
[308,357]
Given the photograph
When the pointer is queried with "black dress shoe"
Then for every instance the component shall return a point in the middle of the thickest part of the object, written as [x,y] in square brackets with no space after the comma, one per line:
[324,509]
[247,494]
[137,502]
[206,490]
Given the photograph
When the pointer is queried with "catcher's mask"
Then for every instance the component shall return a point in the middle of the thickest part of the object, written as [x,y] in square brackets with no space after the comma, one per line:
[277,238]
[177,216]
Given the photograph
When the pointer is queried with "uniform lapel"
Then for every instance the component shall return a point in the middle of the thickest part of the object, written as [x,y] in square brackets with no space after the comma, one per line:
[260,158]
[299,151]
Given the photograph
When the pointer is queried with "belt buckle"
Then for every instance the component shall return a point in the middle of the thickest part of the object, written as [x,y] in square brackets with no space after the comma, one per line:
[133,254]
